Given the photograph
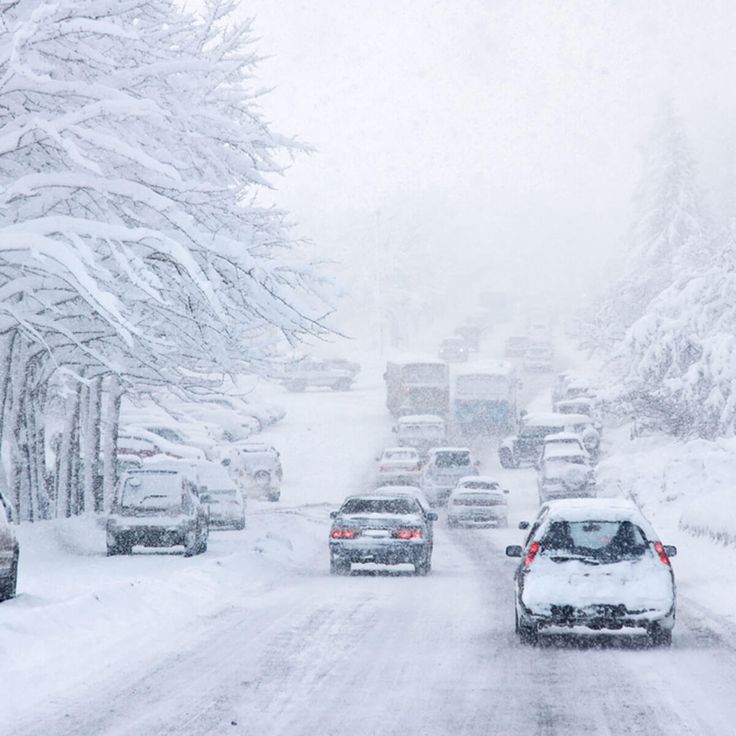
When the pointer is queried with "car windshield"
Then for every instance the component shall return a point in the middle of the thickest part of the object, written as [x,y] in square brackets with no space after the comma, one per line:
[452,459]
[536,432]
[401,506]
[155,491]
[215,496]
[480,484]
[475,499]
[567,460]
[599,541]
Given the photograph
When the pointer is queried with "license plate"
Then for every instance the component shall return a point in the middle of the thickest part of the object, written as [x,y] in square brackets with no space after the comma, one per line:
[376,533]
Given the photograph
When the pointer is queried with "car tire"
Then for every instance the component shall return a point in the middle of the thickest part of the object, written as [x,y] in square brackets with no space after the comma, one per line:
[240,525]
[339,567]
[424,567]
[274,496]
[658,636]
[8,589]
[528,633]
[506,458]
[190,544]
[119,548]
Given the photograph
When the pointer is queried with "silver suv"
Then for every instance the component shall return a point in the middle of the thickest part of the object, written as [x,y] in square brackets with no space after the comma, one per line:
[157,508]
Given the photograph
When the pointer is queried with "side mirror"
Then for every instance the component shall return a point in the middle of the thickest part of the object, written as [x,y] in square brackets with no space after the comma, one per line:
[432,516]
[334,514]
[513,550]
[523,525]
[225,461]
[670,550]
[394,429]
[377,458]
[506,491]
[476,463]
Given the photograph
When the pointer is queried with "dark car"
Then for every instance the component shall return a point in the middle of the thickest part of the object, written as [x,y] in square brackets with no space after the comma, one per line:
[453,350]
[9,552]
[380,528]
[525,447]
[157,508]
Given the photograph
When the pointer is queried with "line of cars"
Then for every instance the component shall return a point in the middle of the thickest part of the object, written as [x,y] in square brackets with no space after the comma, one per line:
[587,564]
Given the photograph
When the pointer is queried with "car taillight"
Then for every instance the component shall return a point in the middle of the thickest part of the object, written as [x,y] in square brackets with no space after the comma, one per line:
[659,549]
[344,533]
[407,534]
[531,554]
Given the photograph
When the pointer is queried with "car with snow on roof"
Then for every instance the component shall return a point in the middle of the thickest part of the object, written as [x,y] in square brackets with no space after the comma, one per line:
[312,373]
[383,529]
[477,501]
[256,469]
[399,466]
[565,472]
[444,467]
[421,431]
[526,445]
[590,566]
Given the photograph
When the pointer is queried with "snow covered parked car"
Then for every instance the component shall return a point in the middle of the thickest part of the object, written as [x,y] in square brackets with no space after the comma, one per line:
[156,508]
[398,466]
[307,373]
[384,529]
[477,500]
[593,565]
[445,466]
[256,469]
[9,552]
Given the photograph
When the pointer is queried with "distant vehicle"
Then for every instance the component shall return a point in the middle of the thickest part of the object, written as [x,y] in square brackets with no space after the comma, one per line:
[568,441]
[525,447]
[445,466]
[587,430]
[399,466]
[538,357]
[9,552]
[516,345]
[417,387]
[584,405]
[146,443]
[385,529]
[335,374]
[453,350]
[484,400]
[222,497]
[470,334]
[570,385]
[593,565]
[256,469]
[421,431]
[565,473]
[477,500]
[156,508]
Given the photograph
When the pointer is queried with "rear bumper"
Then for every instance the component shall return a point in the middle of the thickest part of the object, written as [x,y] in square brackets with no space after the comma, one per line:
[491,516]
[385,553]
[148,536]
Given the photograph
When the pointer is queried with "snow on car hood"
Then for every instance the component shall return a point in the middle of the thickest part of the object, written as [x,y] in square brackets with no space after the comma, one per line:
[640,585]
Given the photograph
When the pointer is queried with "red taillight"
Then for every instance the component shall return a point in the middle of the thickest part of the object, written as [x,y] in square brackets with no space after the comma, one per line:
[531,554]
[407,534]
[344,533]
[659,549]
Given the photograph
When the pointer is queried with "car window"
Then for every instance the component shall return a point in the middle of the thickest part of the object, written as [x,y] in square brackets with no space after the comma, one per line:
[604,541]
[480,484]
[154,491]
[452,459]
[401,506]
[475,499]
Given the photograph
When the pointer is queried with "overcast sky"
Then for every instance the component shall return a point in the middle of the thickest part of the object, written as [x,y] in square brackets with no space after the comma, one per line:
[518,123]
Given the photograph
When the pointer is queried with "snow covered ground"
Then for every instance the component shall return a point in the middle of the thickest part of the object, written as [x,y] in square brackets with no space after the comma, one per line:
[255,637]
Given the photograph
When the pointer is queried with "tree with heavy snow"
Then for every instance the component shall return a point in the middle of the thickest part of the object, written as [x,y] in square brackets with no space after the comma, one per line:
[132,250]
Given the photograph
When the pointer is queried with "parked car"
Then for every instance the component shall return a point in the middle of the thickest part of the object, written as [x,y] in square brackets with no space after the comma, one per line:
[136,436]
[421,431]
[477,500]
[525,447]
[384,529]
[399,466]
[343,364]
[593,565]
[445,466]
[9,552]
[308,373]
[256,469]
[538,357]
[156,508]
[453,350]
[222,497]
[516,345]
[565,473]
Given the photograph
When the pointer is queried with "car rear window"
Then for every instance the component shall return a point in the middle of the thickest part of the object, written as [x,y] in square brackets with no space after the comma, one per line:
[476,499]
[154,491]
[482,485]
[452,459]
[599,541]
[401,506]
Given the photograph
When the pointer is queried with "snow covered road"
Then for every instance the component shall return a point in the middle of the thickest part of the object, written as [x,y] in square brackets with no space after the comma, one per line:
[278,646]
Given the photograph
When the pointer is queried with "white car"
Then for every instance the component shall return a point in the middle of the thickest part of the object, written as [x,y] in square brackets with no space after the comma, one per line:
[445,466]
[398,466]
[477,500]
[593,565]
[563,440]
[565,472]
[219,493]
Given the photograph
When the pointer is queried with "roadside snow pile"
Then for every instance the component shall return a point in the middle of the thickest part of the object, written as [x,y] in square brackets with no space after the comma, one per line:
[691,485]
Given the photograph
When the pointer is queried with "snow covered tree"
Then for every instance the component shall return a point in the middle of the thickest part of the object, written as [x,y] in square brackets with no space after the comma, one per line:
[131,245]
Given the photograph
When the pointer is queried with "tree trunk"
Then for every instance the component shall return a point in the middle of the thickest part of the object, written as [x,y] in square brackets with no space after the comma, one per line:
[90,436]
[110,427]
